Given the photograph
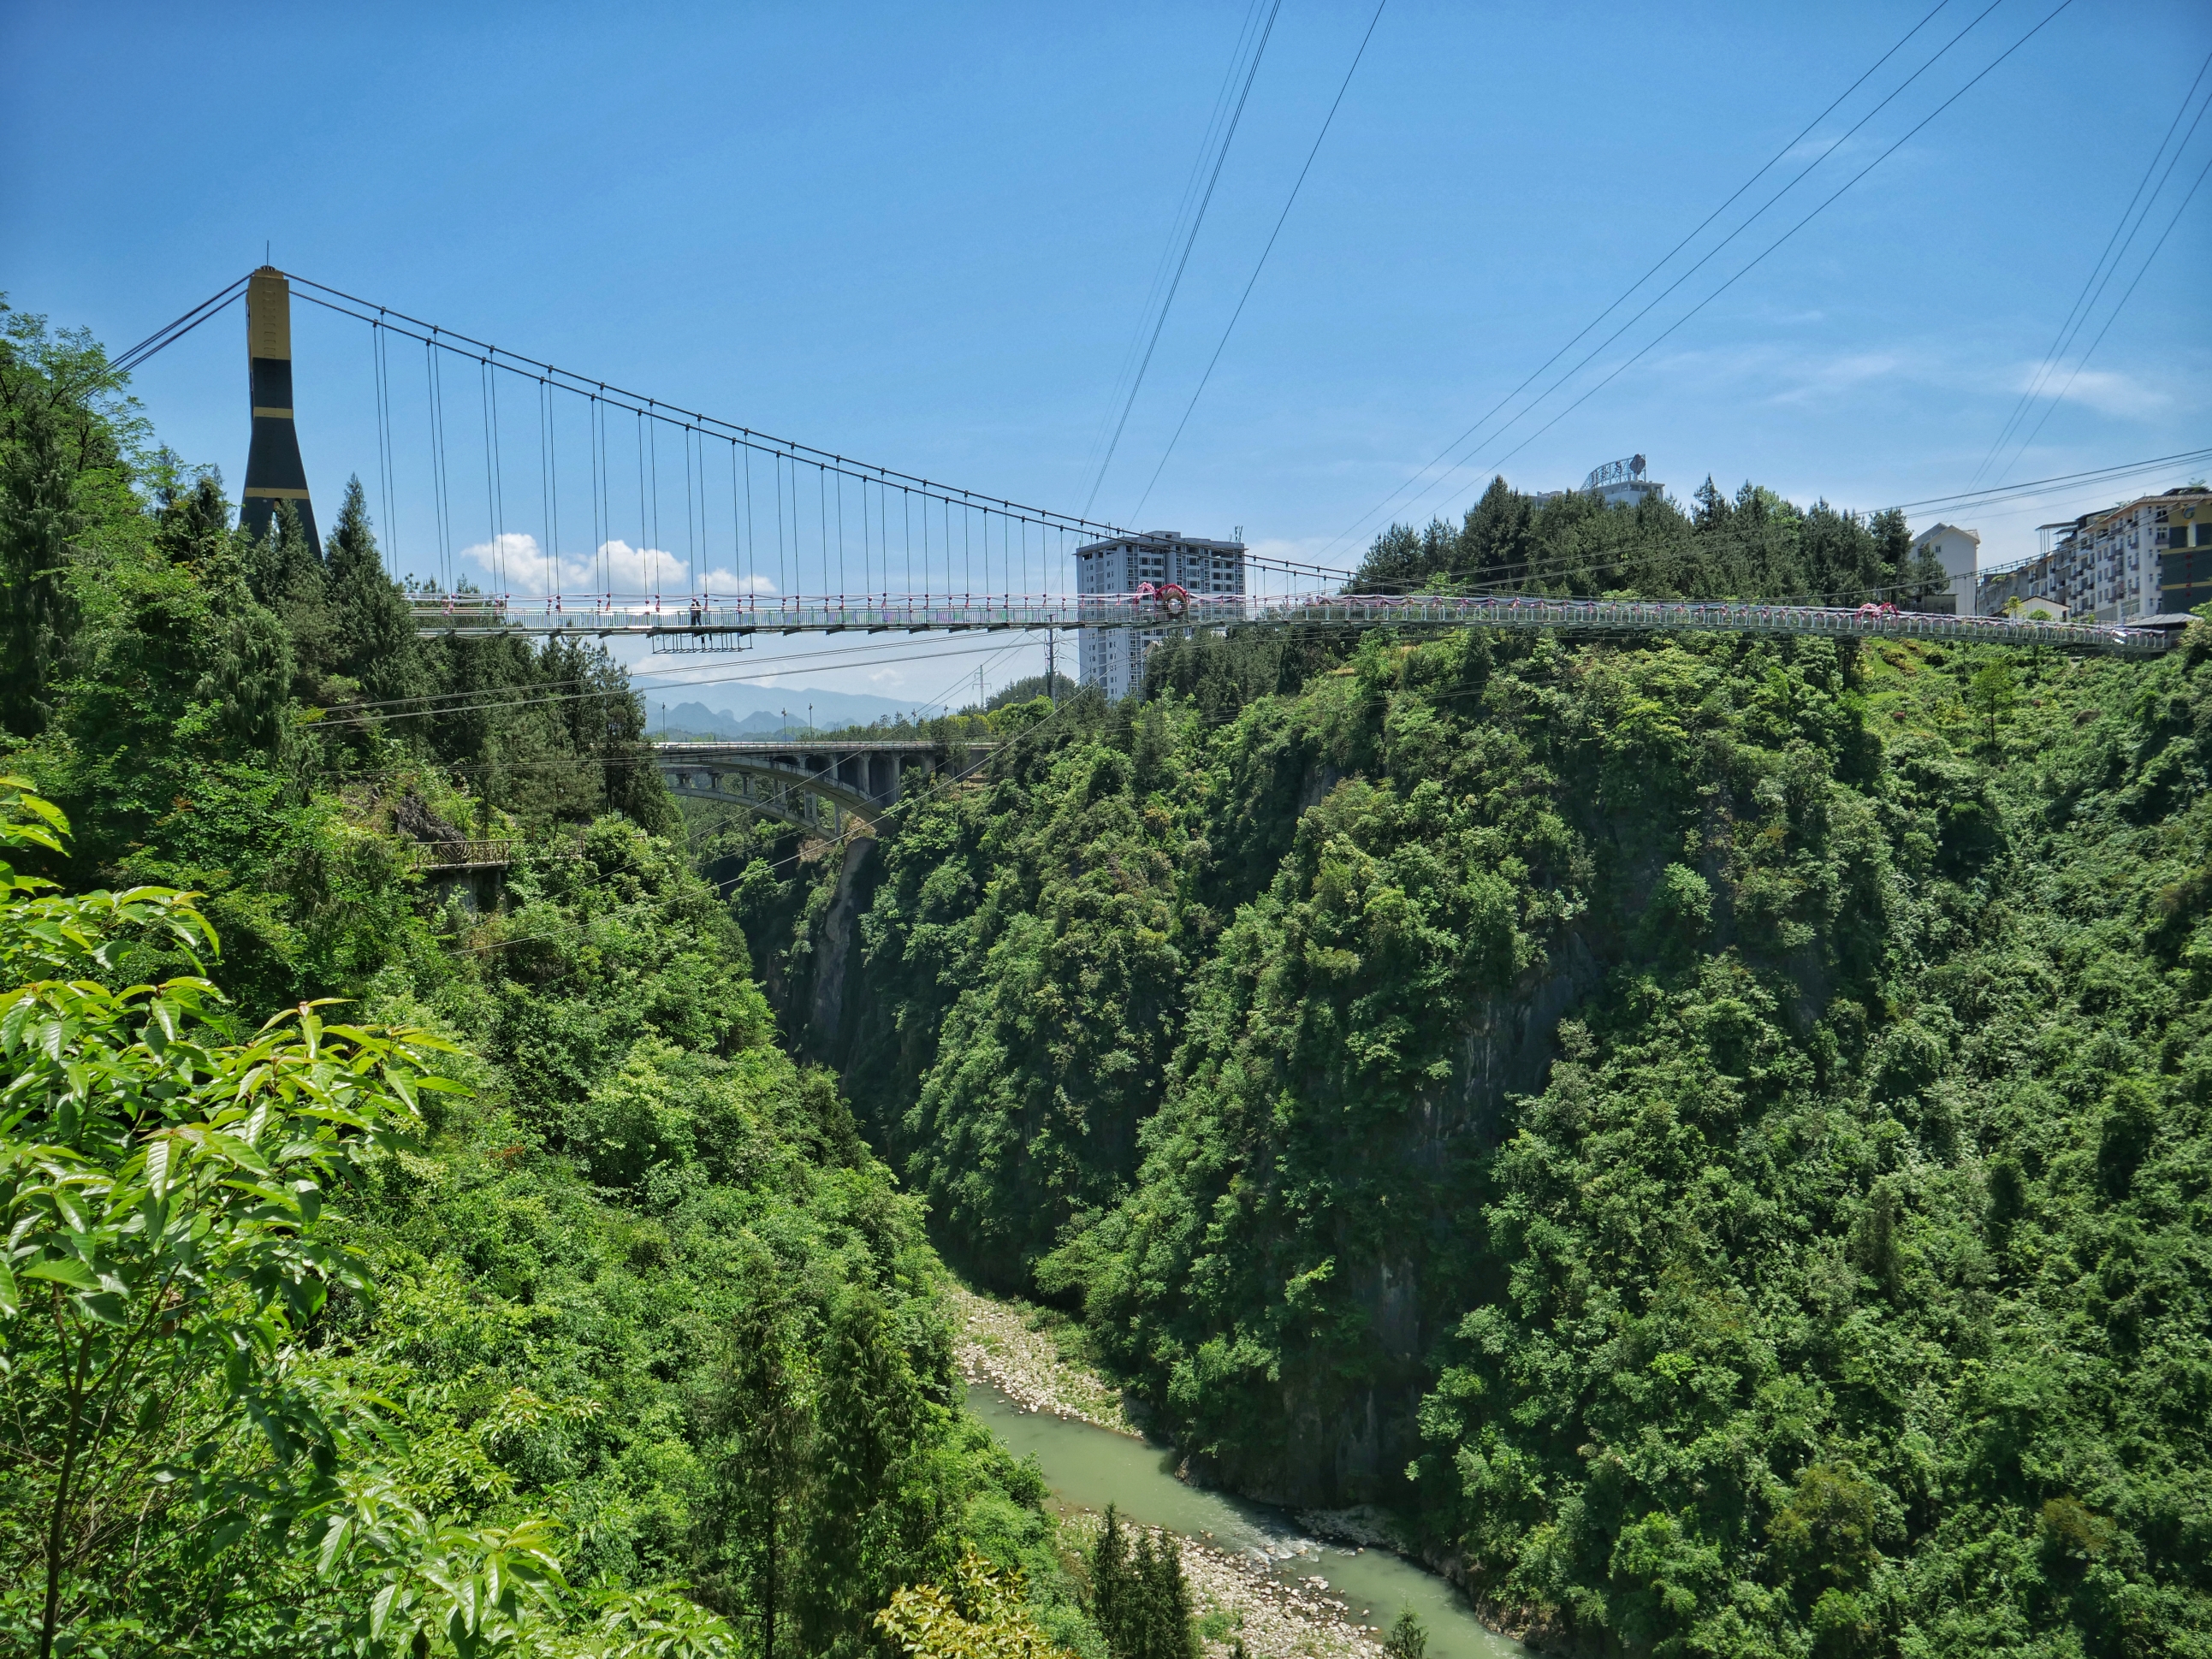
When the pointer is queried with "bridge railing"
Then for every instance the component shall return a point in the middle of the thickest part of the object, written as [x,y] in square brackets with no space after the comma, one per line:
[837,613]
[432,855]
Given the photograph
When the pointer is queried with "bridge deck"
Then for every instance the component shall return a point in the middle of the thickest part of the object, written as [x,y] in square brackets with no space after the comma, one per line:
[607,615]
[821,743]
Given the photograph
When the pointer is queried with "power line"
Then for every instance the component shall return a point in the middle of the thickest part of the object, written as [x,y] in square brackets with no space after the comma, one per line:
[1222,100]
[2078,313]
[2148,259]
[1661,263]
[1160,323]
[1975,497]
[1760,258]
[1280,220]
[1591,355]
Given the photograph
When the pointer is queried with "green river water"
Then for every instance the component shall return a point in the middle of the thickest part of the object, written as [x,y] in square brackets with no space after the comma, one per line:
[1090,1467]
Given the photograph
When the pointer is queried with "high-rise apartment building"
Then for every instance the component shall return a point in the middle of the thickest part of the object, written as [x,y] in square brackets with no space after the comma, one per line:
[2148,557]
[1113,659]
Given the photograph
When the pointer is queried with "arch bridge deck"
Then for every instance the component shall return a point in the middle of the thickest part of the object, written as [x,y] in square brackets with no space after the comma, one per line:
[818,782]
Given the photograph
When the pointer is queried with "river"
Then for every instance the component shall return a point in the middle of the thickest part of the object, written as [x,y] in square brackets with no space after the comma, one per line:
[1090,1467]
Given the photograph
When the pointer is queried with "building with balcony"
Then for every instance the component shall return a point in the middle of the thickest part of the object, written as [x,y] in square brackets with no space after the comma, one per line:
[1113,659]
[2148,558]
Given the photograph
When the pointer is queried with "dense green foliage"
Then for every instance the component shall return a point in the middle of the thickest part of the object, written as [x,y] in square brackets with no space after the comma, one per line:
[1714,1132]
[1139,1597]
[622,1343]
[1756,545]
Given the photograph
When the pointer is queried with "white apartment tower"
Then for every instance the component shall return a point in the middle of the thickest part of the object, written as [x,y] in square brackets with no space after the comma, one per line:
[2148,558]
[1113,659]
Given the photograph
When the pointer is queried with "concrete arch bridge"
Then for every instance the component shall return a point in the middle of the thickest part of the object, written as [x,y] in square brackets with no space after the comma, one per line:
[826,785]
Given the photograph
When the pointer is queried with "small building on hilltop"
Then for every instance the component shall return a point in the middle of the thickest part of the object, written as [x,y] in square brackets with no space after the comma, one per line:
[1960,552]
[1622,482]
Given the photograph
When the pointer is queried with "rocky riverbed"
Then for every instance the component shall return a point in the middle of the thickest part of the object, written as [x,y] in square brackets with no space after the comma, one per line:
[1236,1599]
[1026,1355]
[1019,1350]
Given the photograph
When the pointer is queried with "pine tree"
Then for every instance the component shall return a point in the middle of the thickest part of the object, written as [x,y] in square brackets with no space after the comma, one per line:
[372,636]
[1409,1639]
[871,1503]
[761,1416]
[1139,1599]
[1173,1634]
[1109,1572]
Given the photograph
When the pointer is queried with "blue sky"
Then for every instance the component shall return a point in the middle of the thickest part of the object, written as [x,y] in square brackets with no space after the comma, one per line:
[924,236]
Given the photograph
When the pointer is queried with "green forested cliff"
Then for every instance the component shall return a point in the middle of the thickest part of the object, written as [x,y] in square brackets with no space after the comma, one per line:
[388,1270]
[1712,1131]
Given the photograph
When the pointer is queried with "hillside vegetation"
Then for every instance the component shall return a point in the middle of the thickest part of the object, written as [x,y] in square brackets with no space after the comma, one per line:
[389,1271]
[1712,1131]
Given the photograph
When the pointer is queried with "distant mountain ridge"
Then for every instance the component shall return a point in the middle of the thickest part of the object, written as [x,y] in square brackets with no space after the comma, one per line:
[763,710]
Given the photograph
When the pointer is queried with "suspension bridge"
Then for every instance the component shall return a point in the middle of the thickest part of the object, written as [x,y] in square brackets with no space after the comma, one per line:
[734,618]
[529,499]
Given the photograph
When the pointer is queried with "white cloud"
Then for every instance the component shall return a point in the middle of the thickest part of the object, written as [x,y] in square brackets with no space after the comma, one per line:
[2107,390]
[514,563]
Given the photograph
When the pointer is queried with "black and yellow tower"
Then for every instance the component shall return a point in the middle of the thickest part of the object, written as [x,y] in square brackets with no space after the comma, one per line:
[274,471]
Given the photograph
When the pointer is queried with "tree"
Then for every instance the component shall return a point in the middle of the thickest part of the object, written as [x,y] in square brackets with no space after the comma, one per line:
[1140,1600]
[762,1417]
[373,635]
[1109,1576]
[162,1191]
[1409,1638]
[65,437]
[982,1617]
[1993,693]
[872,1519]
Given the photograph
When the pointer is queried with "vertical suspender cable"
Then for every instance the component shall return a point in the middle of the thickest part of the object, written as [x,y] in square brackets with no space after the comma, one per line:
[752,542]
[644,540]
[690,547]
[383,369]
[430,409]
[737,547]
[653,451]
[553,473]
[595,439]
[491,494]
[437,380]
[821,518]
[705,539]
[544,488]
